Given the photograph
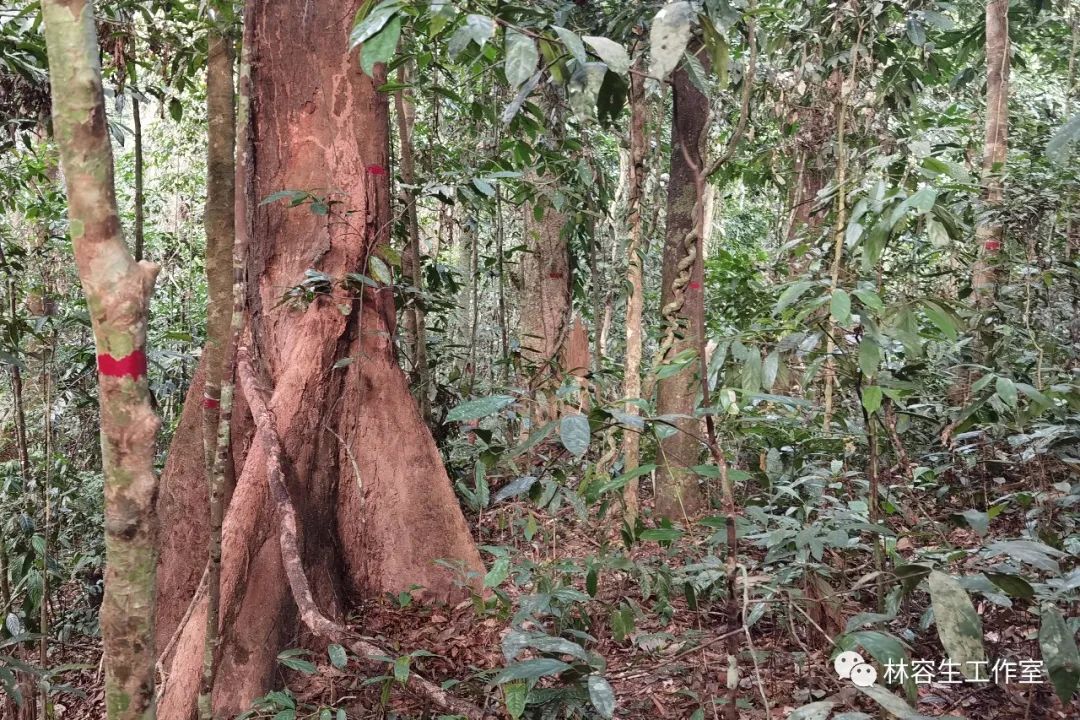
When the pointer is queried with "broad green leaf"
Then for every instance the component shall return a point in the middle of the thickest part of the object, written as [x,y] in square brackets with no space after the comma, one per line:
[619,482]
[869,357]
[480,408]
[295,662]
[977,520]
[583,90]
[373,23]
[884,648]
[574,433]
[1006,390]
[1012,585]
[380,47]
[514,695]
[517,487]
[521,58]
[840,306]
[612,53]
[958,624]
[602,696]
[379,270]
[401,668]
[1059,653]
[769,368]
[1033,553]
[942,320]
[477,28]
[338,656]
[573,43]
[661,534]
[1057,149]
[668,37]
[891,703]
[500,570]
[814,711]
[792,293]
[531,670]
[871,398]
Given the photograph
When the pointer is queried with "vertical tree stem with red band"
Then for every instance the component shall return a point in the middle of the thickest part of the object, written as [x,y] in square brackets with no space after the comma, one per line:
[117,290]
[220,350]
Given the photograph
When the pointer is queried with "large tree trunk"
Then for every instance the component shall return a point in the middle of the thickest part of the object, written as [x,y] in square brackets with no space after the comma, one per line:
[990,232]
[678,494]
[117,292]
[545,302]
[318,123]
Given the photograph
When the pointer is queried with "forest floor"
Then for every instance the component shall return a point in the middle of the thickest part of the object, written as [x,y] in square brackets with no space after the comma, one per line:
[661,669]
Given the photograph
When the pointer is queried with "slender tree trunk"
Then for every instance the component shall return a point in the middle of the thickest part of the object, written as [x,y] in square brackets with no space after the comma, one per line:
[678,494]
[374,506]
[990,232]
[117,292]
[415,328]
[635,298]
[220,234]
[46,530]
[140,199]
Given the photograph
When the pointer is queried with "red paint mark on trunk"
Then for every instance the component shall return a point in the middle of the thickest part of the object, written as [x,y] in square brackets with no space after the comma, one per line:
[695,286]
[134,365]
[376,169]
[555,276]
[209,402]
[992,245]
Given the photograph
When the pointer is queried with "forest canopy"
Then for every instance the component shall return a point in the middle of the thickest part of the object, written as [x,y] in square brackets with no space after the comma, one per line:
[540,359]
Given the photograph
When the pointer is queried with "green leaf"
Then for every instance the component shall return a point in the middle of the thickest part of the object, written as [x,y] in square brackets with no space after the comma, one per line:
[291,660]
[380,270]
[583,90]
[517,487]
[814,711]
[620,481]
[477,28]
[871,398]
[500,570]
[573,44]
[514,695]
[1006,390]
[531,670]
[891,703]
[612,53]
[338,656]
[1012,585]
[792,293]
[977,520]
[176,109]
[381,47]
[668,37]
[602,696]
[958,624]
[480,408]
[401,668]
[373,23]
[1059,653]
[622,622]
[521,58]
[1033,553]
[941,319]
[661,534]
[869,357]
[1057,149]
[575,434]
[769,368]
[840,306]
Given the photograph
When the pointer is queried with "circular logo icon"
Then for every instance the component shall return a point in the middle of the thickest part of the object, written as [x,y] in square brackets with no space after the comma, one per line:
[845,661]
[863,675]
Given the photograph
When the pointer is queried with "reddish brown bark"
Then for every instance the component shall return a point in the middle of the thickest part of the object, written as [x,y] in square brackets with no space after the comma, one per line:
[318,123]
